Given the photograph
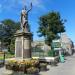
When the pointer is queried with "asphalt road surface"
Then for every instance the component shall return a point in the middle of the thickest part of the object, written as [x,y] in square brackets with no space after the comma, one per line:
[66,68]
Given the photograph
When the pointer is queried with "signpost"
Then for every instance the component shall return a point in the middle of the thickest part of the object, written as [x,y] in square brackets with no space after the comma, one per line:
[57,46]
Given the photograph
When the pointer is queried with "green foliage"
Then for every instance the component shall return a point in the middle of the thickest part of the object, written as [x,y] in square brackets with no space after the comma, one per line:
[23,66]
[50,25]
[7,55]
[56,45]
[7,30]
[1,58]
[51,53]
[37,49]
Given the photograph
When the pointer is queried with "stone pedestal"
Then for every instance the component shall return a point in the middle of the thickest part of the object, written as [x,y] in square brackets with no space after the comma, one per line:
[23,45]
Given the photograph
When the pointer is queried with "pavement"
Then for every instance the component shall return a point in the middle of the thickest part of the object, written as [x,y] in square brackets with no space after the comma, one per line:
[66,68]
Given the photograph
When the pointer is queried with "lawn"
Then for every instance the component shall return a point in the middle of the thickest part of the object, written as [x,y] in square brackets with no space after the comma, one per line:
[7,55]
[1,58]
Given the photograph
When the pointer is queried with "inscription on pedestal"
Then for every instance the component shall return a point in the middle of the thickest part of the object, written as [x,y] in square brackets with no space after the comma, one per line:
[18,47]
[27,53]
[27,47]
[23,45]
[27,43]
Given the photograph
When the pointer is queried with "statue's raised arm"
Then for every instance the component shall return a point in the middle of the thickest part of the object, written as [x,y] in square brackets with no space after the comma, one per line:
[30,7]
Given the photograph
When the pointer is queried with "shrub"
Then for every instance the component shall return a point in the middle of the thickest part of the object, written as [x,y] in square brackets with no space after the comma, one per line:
[43,66]
[32,70]
[21,65]
[51,53]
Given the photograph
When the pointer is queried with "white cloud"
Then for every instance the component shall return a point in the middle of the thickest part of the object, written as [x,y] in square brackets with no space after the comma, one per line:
[38,3]
[18,4]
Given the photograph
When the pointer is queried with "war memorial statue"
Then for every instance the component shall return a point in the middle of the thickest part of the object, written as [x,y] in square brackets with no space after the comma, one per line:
[24,18]
[23,36]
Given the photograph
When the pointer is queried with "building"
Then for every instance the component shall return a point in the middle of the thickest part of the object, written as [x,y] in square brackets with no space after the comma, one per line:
[42,45]
[67,44]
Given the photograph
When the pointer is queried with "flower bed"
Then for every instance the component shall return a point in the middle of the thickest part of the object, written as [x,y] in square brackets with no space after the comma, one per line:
[43,66]
[32,70]
[23,66]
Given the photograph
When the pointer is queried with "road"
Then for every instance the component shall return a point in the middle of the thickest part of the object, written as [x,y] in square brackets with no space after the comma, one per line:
[66,68]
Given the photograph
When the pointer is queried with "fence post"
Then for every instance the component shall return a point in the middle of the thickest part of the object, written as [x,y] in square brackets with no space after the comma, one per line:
[4,58]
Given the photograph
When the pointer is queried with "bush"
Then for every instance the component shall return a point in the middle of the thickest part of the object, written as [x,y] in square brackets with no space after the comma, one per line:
[32,70]
[21,65]
[51,53]
[43,66]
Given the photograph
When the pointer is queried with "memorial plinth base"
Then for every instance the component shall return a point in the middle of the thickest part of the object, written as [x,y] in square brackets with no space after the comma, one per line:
[23,45]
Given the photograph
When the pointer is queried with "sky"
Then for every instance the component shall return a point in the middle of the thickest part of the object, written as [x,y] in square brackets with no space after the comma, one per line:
[11,9]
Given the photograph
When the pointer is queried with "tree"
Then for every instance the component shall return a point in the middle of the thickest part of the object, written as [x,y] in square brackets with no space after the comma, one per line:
[50,25]
[7,30]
